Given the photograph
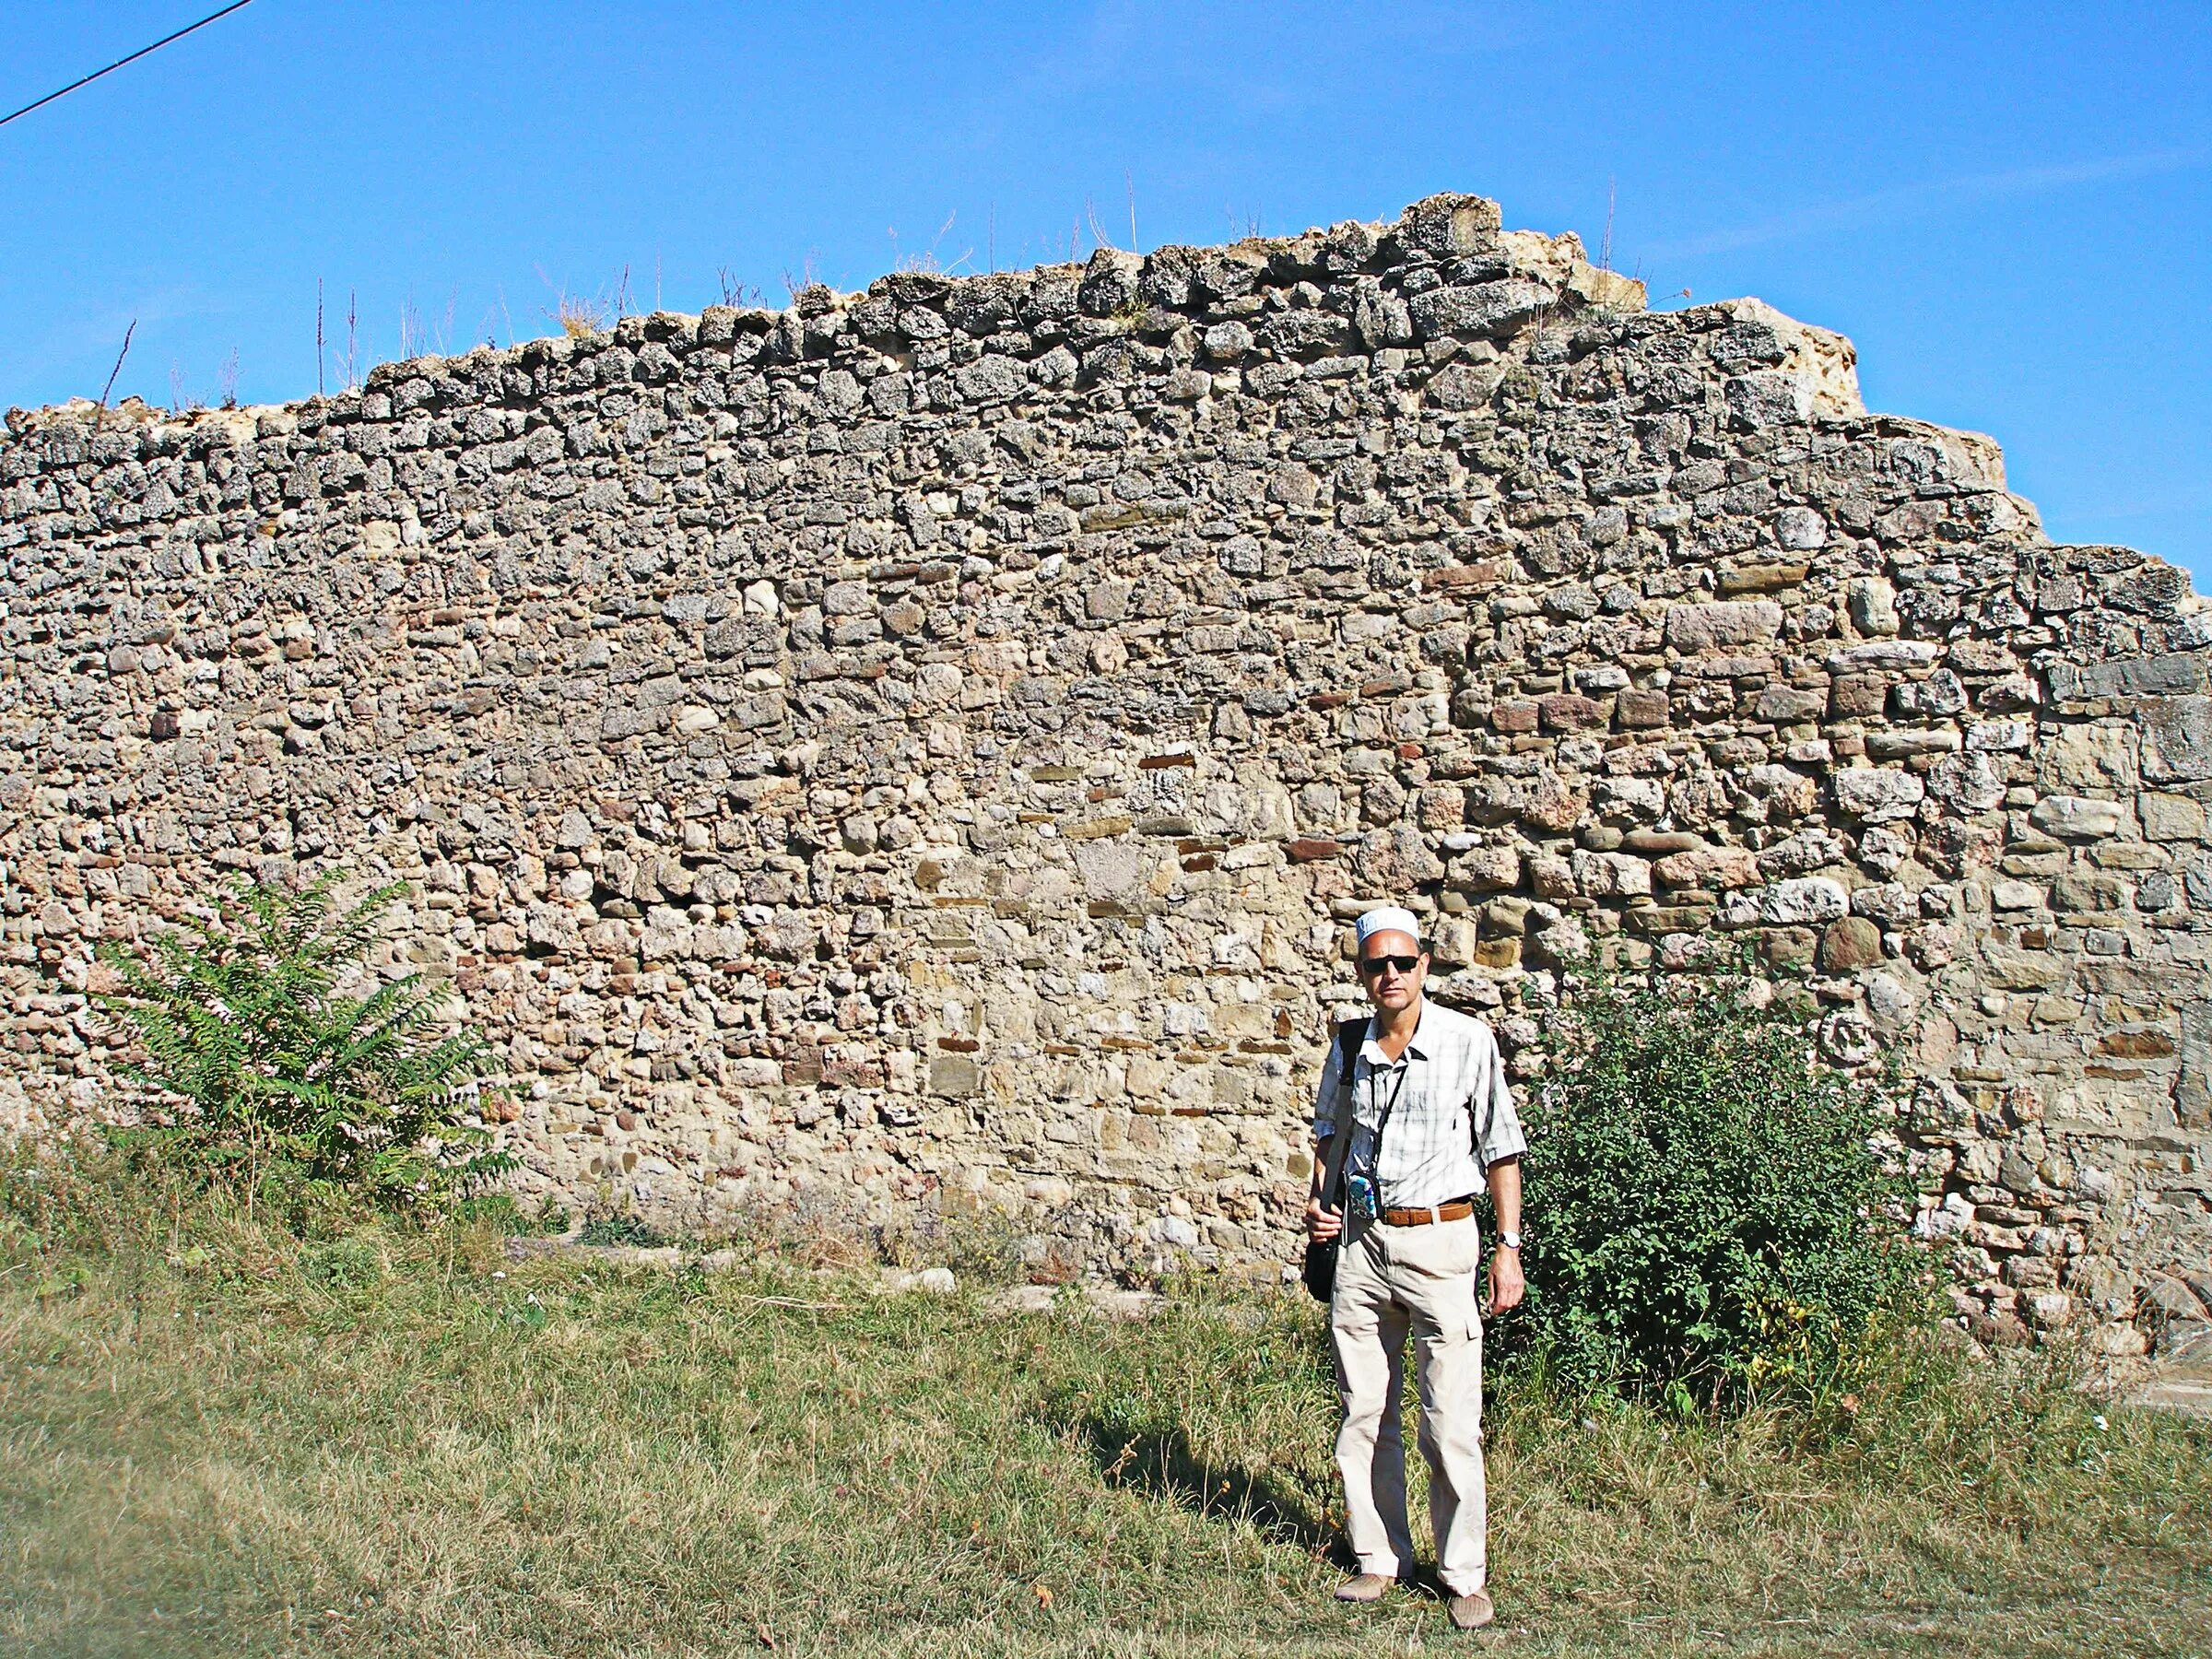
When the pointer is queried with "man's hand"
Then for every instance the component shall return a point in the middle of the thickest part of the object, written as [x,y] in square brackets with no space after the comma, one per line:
[1323,1223]
[1506,1284]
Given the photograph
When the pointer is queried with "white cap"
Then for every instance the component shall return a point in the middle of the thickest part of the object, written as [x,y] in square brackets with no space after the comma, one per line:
[1389,918]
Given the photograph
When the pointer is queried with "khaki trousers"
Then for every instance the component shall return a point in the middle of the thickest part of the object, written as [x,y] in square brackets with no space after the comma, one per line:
[1392,1281]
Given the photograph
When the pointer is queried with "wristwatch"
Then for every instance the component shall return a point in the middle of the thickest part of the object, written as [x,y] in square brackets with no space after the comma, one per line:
[1510,1241]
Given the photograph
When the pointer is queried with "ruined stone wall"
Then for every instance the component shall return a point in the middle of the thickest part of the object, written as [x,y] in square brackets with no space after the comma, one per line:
[923,745]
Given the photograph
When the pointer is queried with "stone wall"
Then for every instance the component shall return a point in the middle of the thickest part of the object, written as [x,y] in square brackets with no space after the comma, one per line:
[923,747]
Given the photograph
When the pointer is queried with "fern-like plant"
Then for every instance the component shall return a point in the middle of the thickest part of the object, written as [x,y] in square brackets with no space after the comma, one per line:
[265,1072]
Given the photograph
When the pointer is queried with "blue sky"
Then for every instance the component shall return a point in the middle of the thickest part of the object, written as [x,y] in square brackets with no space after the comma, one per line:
[2005,206]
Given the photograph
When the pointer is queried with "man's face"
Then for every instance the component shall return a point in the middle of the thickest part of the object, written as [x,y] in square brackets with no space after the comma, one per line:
[1392,967]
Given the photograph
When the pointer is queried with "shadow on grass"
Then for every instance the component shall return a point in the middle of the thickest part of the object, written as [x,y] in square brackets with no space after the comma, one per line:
[1162,1461]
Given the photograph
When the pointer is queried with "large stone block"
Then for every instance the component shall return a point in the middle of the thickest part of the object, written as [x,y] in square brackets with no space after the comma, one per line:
[1808,899]
[1716,868]
[1849,944]
[2177,739]
[1872,602]
[2177,674]
[1111,867]
[2075,818]
[1877,794]
[1789,705]
[1485,869]
[1453,942]
[1611,875]
[1478,312]
[1882,657]
[1449,225]
[2171,818]
[1969,783]
[1695,628]
[2011,968]
[1569,711]
[956,1077]
[2090,756]
[1769,398]
[1855,696]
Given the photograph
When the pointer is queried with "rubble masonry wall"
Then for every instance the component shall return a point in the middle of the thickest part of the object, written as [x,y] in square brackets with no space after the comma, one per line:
[921,748]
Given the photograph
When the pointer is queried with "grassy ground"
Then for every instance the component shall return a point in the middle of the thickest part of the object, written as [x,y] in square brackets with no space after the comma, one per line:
[214,1440]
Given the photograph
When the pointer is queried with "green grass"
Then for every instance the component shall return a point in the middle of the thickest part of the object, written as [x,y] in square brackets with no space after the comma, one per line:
[215,1440]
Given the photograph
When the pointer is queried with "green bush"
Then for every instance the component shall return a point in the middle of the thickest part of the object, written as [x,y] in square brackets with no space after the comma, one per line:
[268,1078]
[1711,1215]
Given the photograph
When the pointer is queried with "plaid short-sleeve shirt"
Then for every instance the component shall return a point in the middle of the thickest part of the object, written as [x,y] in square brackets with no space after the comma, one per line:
[1454,1115]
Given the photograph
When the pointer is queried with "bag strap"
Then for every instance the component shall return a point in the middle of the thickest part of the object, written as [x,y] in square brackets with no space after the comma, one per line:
[1340,1143]
[1350,1035]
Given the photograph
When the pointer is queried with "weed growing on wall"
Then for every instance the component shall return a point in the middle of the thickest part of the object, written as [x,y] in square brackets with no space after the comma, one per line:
[1713,1214]
[267,1077]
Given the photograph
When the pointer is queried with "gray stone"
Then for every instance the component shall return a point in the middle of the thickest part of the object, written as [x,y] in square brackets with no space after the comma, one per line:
[1769,398]
[1805,900]
[1873,604]
[1693,627]
[1475,312]
[1896,742]
[1449,225]
[1970,784]
[955,1075]
[1800,529]
[1228,342]
[1890,1000]
[1460,386]
[2177,739]
[1611,875]
[2177,674]
[988,380]
[1110,283]
[1880,655]
[1788,705]
[2075,818]
[1177,1233]
[1877,794]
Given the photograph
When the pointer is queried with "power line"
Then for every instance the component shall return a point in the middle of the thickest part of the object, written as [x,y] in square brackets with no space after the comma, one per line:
[119,62]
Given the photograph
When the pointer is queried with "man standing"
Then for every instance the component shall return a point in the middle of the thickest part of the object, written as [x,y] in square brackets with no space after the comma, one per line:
[1430,1118]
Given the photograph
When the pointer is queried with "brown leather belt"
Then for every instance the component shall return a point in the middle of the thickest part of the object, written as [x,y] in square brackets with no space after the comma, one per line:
[1456,1210]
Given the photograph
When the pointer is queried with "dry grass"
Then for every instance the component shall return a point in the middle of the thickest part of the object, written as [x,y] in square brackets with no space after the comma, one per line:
[216,1440]
[579,317]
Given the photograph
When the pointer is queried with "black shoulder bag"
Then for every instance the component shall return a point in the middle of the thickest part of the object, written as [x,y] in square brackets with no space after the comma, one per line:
[1320,1267]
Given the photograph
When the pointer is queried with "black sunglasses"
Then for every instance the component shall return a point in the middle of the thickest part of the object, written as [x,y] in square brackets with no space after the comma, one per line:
[1377,963]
